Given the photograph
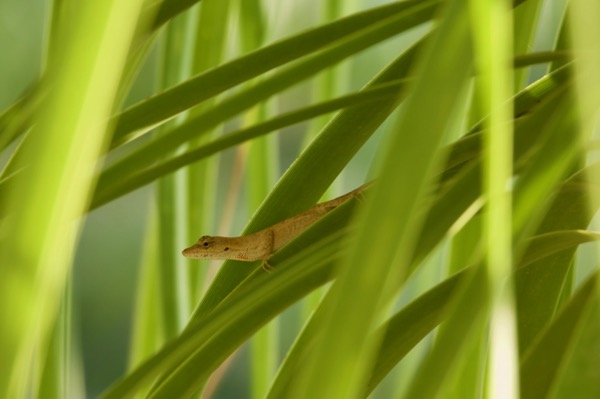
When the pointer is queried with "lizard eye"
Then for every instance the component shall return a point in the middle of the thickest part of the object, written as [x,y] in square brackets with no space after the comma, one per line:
[205,244]
[226,249]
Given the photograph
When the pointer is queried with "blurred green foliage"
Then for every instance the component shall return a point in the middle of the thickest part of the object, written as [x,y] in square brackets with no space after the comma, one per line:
[96,299]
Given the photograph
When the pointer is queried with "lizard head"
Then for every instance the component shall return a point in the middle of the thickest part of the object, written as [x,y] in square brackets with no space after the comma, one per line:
[207,247]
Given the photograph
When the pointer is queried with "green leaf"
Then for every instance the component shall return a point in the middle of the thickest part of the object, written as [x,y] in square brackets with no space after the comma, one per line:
[46,200]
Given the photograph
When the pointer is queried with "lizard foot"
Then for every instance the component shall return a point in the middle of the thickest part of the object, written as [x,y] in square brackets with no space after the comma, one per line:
[266,266]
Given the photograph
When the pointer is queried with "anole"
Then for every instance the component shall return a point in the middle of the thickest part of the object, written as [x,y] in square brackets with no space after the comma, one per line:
[262,244]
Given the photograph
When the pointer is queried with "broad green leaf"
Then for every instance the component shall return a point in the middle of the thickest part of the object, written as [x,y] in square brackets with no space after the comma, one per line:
[47,199]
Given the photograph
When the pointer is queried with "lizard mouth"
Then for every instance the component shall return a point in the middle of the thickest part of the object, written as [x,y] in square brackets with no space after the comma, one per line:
[190,252]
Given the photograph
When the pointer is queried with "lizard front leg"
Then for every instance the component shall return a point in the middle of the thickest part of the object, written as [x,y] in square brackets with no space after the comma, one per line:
[269,243]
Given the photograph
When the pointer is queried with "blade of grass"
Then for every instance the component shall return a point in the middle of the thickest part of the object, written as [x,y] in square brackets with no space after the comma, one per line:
[491,23]
[328,84]
[562,41]
[48,197]
[19,122]
[165,10]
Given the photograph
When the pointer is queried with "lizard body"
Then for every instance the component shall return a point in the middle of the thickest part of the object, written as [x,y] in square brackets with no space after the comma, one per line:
[262,244]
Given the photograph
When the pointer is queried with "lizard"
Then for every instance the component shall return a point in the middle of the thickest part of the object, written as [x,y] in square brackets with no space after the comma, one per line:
[262,244]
